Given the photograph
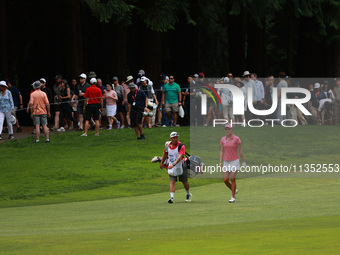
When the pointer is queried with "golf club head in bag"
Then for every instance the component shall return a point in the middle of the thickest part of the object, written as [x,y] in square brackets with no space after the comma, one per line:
[194,165]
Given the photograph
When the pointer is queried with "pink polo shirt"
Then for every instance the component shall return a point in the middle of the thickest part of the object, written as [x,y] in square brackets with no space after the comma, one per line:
[230,147]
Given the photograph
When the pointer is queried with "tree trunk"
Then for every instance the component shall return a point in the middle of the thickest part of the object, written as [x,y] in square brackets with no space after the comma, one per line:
[119,54]
[155,55]
[335,70]
[256,49]
[290,49]
[3,42]
[76,38]
[236,35]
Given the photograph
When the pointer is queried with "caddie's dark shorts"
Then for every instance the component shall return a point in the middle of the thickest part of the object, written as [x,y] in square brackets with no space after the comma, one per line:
[92,110]
[181,178]
[136,118]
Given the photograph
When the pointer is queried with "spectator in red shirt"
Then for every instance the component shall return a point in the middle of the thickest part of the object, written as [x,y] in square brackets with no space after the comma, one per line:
[94,98]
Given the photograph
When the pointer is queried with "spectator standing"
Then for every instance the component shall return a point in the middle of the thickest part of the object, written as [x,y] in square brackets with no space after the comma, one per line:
[120,94]
[56,100]
[159,112]
[298,115]
[74,97]
[166,120]
[110,96]
[259,92]
[80,92]
[336,92]
[199,84]
[6,108]
[188,97]
[129,80]
[103,113]
[249,83]
[313,104]
[138,103]
[46,89]
[139,76]
[150,93]
[173,98]
[324,111]
[282,84]
[231,78]
[40,110]
[227,102]
[238,83]
[94,98]
[65,107]
[91,75]
[17,100]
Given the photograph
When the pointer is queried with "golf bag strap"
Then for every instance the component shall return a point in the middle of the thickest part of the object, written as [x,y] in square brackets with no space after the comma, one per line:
[180,147]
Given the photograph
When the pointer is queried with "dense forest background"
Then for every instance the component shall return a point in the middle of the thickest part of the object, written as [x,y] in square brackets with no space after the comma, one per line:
[42,38]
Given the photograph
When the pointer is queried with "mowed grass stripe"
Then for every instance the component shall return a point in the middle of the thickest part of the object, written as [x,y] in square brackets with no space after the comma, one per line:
[294,236]
[268,218]
[258,200]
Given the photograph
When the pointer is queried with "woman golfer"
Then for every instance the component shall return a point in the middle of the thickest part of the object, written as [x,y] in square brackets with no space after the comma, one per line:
[230,153]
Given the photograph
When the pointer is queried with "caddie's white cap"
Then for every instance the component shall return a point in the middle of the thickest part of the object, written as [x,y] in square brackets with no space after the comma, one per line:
[173,134]
[317,85]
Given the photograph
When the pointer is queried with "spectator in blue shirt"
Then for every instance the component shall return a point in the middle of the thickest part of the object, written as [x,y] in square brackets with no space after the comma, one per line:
[6,108]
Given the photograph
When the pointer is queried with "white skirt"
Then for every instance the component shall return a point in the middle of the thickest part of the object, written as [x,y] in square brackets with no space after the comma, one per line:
[111,110]
[231,166]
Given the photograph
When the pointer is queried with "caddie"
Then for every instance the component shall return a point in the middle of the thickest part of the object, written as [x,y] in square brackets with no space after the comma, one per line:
[174,152]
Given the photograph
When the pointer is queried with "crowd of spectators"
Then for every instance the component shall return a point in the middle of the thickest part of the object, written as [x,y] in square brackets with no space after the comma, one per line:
[166,99]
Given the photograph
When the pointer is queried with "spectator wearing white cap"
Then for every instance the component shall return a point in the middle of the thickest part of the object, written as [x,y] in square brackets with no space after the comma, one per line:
[6,108]
[46,89]
[150,93]
[249,83]
[80,92]
[174,153]
[94,100]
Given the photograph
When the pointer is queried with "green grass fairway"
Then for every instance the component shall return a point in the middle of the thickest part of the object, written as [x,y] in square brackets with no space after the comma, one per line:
[271,216]
[102,195]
